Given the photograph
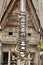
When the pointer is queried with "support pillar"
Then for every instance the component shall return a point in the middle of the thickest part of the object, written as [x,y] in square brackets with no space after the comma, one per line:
[22,62]
[18,62]
[0,54]
[9,58]
[29,60]
[37,59]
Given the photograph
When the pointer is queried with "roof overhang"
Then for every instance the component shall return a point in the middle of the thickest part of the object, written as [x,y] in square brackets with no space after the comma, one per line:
[3,23]
[35,16]
[33,12]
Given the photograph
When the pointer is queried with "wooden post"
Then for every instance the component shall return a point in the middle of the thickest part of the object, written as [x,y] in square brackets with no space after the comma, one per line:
[29,60]
[9,58]
[0,55]
[18,62]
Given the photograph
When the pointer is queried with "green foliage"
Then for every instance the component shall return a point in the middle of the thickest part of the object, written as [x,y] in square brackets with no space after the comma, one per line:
[41,46]
[8,18]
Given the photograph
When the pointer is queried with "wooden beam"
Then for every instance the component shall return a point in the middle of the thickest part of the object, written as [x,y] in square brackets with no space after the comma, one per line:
[34,14]
[6,14]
